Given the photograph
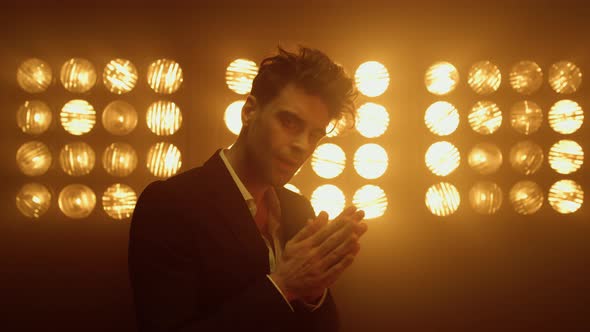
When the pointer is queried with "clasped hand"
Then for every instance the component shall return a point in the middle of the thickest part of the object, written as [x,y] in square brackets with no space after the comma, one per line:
[318,254]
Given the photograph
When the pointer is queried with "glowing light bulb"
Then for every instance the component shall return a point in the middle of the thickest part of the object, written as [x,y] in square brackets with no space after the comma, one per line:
[526,117]
[33,117]
[441,118]
[77,201]
[566,196]
[565,77]
[328,160]
[328,198]
[372,78]
[442,158]
[372,120]
[78,75]
[33,158]
[485,197]
[526,197]
[120,76]
[240,74]
[118,201]
[526,77]
[484,78]
[372,200]
[485,117]
[164,76]
[33,200]
[441,78]
[371,161]
[442,199]
[34,75]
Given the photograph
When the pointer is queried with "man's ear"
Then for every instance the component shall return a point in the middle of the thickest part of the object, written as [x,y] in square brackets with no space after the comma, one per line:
[249,110]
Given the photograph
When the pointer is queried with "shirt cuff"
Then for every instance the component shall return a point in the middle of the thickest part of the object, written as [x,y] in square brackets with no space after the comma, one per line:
[313,307]
[283,295]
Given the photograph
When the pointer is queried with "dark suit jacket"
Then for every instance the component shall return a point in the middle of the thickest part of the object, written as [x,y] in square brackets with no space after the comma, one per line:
[198,263]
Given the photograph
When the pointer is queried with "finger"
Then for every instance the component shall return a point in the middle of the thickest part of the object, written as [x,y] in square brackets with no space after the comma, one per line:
[334,240]
[335,225]
[328,230]
[349,210]
[309,229]
[359,215]
[350,246]
[360,228]
[336,270]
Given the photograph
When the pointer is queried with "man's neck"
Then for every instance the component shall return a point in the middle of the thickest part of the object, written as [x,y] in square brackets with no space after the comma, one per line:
[237,158]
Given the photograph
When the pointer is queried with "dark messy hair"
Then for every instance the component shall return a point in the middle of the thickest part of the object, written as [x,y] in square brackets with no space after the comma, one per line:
[312,71]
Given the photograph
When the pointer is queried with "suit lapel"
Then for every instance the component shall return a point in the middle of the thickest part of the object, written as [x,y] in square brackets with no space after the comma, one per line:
[230,204]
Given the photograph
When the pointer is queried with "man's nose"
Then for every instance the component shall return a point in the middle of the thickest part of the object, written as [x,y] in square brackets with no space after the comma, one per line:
[302,143]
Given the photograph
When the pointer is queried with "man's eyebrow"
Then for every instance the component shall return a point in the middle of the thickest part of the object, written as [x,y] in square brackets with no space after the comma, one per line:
[294,116]
[291,114]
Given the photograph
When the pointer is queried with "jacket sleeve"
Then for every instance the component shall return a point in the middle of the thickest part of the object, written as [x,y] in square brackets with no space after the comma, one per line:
[163,277]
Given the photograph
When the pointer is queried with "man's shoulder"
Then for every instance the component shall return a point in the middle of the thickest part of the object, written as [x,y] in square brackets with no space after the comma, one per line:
[179,184]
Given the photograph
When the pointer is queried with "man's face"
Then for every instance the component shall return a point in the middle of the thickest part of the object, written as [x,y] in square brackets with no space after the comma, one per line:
[284,133]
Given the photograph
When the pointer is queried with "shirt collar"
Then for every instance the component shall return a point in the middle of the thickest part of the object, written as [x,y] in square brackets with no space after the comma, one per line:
[270,195]
[245,193]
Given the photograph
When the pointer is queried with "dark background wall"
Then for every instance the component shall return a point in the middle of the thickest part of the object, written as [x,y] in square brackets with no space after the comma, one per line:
[415,272]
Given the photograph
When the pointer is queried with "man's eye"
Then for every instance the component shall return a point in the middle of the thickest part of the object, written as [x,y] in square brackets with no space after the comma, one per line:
[287,122]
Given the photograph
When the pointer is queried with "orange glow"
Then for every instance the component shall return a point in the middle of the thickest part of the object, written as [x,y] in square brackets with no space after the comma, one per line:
[565,77]
[33,200]
[164,118]
[76,201]
[526,197]
[485,197]
[34,117]
[34,75]
[485,117]
[119,159]
[485,158]
[119,76]
[526,77]
[78,75]
[526,117]
[77,158]
[33,158]
[119,118]
[164,160]
[526,157]
[164,76]
[118,201]
[484,78]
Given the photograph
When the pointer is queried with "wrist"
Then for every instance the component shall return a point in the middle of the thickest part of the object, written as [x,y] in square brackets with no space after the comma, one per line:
[280,283]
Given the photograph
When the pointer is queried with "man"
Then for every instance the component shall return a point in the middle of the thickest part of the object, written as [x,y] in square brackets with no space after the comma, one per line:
[224,247]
